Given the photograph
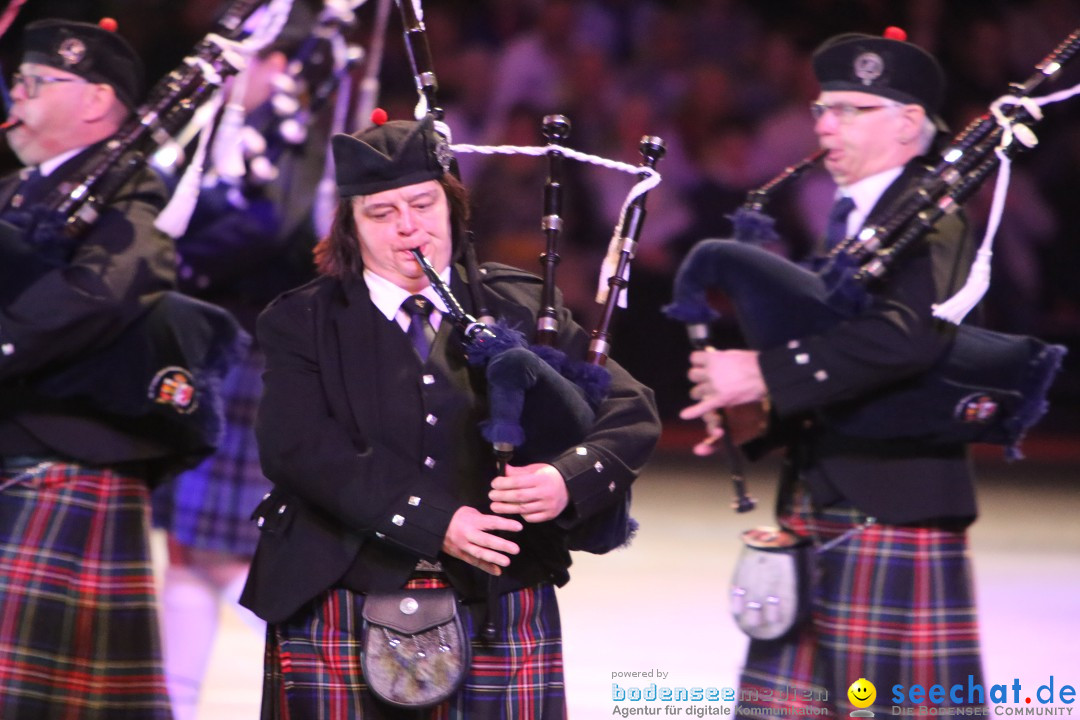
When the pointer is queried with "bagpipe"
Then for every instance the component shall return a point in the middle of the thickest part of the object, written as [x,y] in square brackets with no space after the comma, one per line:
[541,402]
[989,387]
[159,377]
[259,172]
[250,147]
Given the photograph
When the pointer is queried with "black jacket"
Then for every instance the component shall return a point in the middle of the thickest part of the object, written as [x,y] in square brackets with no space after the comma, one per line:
[372,452]
[897,481]
[63,302]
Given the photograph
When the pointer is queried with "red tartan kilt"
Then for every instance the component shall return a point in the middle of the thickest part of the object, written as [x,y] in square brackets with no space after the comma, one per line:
[78,614]
[892,604]
[313,664]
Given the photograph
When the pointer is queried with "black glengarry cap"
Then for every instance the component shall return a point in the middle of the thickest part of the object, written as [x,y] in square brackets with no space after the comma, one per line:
[92,52]
[887,66]
[389,155]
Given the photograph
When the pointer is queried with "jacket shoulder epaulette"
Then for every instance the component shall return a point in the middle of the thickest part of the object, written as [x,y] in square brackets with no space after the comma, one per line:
[493,272]
[310,289]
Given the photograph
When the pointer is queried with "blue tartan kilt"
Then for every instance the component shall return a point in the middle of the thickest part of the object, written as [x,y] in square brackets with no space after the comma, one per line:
[313,669]
[79,635]
[209,507]
[893,605]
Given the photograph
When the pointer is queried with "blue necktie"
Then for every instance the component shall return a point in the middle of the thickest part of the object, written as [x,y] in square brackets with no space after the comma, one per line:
[420,331]
[836,230]
[28,189]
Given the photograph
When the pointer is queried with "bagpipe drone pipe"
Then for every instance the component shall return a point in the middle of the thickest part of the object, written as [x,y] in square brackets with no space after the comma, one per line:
[989,387]
[318,58]
[158,378]
[541,402]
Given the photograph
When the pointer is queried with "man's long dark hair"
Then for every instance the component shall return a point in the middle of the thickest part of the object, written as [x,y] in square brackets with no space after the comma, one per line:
[338,254]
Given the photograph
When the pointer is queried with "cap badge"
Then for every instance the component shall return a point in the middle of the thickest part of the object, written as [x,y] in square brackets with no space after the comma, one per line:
[72,51]
[174,386]
[869,67]
[442,153]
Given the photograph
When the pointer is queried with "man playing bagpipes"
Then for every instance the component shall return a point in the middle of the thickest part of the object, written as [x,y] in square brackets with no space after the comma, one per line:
[369,428]
[79,636]
[889,587]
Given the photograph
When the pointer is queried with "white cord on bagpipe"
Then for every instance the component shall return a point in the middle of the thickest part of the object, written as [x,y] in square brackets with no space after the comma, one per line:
[956,308]
[644,185]
[615,247]
[264,25]
[227,150]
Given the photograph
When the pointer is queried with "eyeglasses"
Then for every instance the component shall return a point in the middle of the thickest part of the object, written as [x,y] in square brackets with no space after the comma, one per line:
[845,112]
[33,83]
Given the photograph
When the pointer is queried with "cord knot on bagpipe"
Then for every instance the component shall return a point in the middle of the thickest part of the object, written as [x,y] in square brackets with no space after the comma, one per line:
[1011,113]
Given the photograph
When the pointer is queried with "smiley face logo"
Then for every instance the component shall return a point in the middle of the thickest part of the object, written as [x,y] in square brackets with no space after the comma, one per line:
[862,693]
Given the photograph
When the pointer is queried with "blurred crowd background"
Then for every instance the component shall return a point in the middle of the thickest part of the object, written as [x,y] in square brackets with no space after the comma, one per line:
[726,84]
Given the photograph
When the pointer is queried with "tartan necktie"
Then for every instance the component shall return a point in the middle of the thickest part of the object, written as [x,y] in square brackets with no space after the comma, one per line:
[836,229]
[420,331]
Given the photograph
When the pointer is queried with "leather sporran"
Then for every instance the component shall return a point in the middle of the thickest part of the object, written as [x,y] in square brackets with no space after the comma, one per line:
[415,652]
[769,588]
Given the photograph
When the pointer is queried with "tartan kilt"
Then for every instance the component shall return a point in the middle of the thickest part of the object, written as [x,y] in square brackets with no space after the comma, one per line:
[893,605]
[79,634]
[209,507]
[312,667]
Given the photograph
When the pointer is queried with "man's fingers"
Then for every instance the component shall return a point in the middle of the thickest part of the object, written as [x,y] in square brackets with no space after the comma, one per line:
[504,508]
[701,391]
[489,567]
[518,496]
[471,537]
[697,410]
[706,447]
[513,483]
[699,357]
[499,524]
[487,555]
[488,552]
[519,508]
[487,541]
[509,496]
[537,512]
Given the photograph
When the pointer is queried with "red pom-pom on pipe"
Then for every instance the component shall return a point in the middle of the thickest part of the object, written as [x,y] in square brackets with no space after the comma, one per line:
[107,23]
[378,116]
[894,33]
